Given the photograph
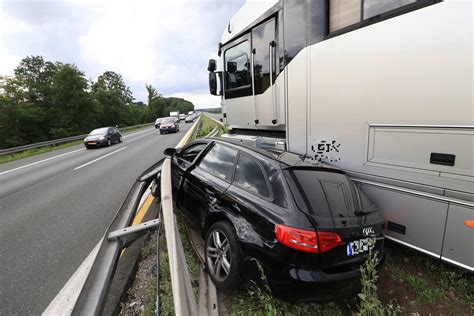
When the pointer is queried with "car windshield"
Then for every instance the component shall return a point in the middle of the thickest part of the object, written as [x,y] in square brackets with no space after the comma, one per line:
[168,121]
[99,131]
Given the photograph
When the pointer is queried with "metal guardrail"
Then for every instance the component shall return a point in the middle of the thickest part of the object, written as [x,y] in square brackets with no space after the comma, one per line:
[183,296]
[55,141]
[93,294]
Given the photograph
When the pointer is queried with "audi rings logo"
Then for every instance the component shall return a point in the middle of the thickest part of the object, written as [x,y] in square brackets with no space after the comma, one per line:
[368,231]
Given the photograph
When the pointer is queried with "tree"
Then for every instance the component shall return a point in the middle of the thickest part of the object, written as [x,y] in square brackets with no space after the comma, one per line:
[113,95]
[73,111]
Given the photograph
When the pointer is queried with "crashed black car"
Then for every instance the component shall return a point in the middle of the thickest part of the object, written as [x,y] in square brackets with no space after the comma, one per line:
[309,226]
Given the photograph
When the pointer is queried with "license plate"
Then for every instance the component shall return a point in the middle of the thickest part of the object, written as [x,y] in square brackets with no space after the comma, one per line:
[359,246]
[92,143]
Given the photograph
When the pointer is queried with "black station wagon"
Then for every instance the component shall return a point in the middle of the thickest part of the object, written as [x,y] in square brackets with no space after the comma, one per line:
[309,226]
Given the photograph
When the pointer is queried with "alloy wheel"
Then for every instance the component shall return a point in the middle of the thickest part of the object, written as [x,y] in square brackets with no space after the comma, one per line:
[218,255]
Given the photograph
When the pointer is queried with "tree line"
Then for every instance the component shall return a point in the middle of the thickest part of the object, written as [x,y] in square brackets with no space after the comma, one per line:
[46,100]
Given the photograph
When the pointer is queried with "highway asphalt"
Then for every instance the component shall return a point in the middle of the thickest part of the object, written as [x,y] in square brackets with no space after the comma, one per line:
[55,207]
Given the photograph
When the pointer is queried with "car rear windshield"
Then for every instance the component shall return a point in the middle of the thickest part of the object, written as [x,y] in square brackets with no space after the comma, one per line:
[168,121]
[327,194]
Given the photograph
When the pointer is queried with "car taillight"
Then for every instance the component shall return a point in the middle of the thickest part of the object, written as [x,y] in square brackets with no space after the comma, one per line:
[307,240]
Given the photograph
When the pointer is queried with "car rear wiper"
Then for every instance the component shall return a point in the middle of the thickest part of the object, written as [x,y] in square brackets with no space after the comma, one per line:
[360,213]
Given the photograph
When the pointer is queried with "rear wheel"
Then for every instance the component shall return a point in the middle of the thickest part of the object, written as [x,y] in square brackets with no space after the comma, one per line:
[120,138]
[223,256]
[109,142]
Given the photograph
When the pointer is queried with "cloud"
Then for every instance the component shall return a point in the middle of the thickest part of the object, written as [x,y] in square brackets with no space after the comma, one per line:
[166,43]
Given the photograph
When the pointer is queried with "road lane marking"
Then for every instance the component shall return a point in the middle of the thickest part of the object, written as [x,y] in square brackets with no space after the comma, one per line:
[97,159]
[147,130]
[64,302]
[143,210]
[37,162]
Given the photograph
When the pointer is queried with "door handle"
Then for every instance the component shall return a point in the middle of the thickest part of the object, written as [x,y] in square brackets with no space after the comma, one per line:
[252,66]
[271,48]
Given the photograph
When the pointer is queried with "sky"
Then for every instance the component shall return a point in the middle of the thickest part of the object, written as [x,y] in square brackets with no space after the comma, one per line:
[165,43]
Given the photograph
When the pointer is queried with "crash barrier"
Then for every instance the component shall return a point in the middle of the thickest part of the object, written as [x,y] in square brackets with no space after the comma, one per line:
[55,142]
[183,296]
[119,235]
[91,296]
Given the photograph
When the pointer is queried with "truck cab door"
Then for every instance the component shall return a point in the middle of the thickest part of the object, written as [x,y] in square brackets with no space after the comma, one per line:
[264,69]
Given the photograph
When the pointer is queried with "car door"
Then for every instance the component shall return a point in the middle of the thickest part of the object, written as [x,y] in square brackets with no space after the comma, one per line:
[204,183]
[111,134]
[251,197]
[180,163]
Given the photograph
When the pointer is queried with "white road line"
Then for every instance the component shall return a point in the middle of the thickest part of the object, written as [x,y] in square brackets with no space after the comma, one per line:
[92,161]
[64,302]
[37,162]
[147,130]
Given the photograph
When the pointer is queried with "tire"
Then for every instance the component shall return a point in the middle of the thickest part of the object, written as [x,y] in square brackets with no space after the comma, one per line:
[87,147]
[161,133]
[109,143]
[226,277]
[120,139]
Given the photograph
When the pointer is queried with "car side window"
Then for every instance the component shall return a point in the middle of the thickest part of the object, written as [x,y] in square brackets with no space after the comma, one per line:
[219,161]
[190,153]
[250,176]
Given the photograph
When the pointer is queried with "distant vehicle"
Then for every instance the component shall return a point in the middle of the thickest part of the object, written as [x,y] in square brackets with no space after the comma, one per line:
[191,113]
[175,114]
[104,136]
[309,226]
[168,125]
[182,117]
[189,119]
[157,122]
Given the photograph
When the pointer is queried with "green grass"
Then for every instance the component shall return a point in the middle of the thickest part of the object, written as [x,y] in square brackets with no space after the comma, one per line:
[448,283]
[42,150]
[256,299]
[166,292]
[207,125]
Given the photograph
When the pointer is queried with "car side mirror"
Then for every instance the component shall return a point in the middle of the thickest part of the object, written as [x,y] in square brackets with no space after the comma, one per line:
[170,152]
[213,83]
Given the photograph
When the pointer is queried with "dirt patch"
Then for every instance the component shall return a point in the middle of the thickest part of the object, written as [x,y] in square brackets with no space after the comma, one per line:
[421,284]
[141,296]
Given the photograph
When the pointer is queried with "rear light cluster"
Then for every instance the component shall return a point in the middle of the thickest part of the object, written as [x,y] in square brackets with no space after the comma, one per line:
[307,240]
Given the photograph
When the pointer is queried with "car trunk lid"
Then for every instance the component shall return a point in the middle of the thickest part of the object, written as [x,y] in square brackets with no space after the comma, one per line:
[335,205]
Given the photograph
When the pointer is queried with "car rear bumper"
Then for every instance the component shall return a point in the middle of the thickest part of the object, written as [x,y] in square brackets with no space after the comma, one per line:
[98,143]
[298,285]
[295,284]
[168,130]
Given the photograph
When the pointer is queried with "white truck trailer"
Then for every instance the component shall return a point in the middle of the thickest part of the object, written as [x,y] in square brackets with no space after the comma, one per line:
[380,88]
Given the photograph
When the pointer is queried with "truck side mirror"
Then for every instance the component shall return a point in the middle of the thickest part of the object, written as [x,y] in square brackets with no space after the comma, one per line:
[213,83]
[212,65]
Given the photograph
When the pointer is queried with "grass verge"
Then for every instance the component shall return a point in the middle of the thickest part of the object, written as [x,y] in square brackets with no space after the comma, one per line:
[42,150]
[207,125]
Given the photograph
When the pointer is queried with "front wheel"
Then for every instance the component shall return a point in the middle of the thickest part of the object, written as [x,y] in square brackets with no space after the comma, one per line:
[223,256]
[109,142]
[120,138]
